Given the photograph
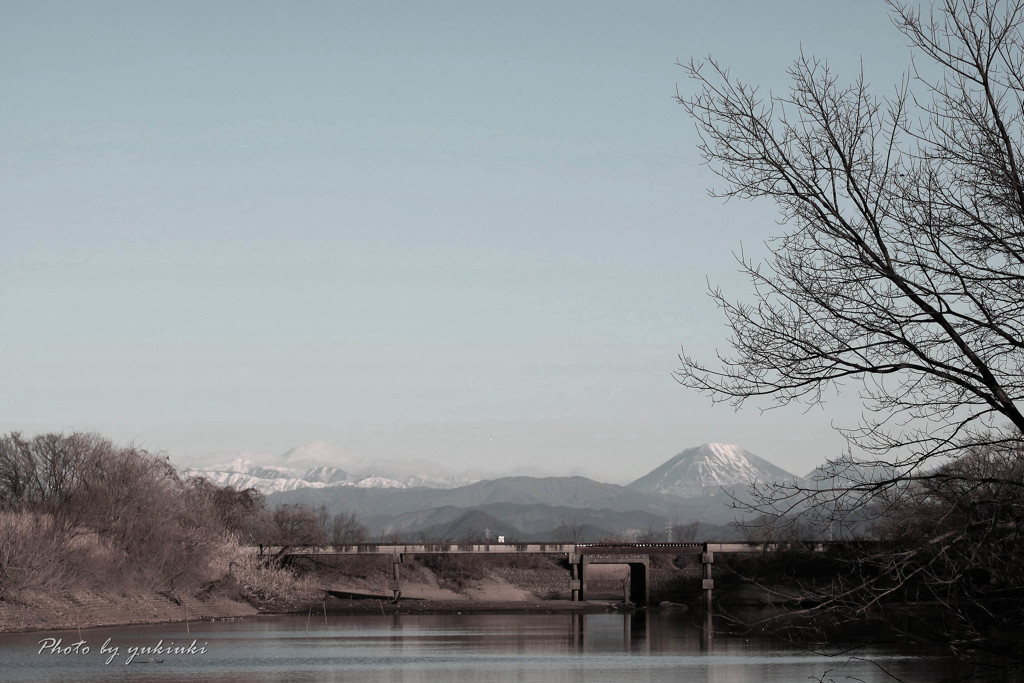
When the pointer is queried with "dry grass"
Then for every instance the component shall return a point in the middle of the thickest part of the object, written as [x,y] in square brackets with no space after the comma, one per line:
[263,584]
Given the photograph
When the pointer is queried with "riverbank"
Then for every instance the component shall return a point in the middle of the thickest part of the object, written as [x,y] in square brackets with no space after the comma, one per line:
[88,610]
[247,588]
[273,592]
[70,614]
[364,606]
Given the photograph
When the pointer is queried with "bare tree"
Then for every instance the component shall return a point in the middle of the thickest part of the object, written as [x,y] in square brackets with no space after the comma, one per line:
[239,511]
[109,515]
[346,529]
[43,473]
[574,531]
[17,471]
[291,527]
[899,268]
[684,533]
[569,531]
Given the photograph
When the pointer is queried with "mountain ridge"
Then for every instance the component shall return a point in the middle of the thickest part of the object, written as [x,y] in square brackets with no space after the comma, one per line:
[693,472]
[695,486]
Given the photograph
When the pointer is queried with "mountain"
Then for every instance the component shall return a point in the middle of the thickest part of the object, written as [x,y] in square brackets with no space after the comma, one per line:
[316,465]
[472,526]
[568,492]
[410,501]
[533,506]
[242,473]
[705,469]
[576,492]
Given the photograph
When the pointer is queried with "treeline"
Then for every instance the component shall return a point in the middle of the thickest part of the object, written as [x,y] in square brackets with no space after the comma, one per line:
[937,555]
[78,512]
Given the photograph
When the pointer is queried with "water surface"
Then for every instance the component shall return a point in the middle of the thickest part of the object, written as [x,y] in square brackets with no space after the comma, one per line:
[495,648]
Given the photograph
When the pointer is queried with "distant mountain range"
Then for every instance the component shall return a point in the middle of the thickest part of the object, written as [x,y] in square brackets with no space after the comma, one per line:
[693,487]
[320,465]
[242,473]
[529,508]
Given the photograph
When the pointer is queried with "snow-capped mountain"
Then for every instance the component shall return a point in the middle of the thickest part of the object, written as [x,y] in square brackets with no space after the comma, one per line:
[325,474]
[380,483]
[314,465]
[242,473]
[694,472]
[703,469]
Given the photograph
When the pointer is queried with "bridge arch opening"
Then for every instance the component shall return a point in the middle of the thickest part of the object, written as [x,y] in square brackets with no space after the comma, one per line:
[635,583]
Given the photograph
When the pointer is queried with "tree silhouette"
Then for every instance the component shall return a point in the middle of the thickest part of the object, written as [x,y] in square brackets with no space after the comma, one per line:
[898,270]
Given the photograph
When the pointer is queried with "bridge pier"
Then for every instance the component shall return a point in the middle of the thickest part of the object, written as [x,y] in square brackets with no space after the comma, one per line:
[707,583]
[396,579]
[575,577]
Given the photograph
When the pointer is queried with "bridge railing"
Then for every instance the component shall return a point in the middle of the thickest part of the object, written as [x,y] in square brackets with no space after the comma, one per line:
[559,548]
[440,548]
[578,555]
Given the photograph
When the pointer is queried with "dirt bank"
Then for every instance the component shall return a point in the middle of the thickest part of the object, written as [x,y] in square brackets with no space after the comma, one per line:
[85,610]
[428,584]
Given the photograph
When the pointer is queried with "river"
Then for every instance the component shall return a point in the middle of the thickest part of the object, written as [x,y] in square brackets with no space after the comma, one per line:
[558,648]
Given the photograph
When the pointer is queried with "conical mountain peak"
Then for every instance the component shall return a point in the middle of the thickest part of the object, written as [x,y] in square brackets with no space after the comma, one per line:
[705,468]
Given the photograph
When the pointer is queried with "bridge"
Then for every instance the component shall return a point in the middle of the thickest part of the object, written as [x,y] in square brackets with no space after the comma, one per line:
[580,556]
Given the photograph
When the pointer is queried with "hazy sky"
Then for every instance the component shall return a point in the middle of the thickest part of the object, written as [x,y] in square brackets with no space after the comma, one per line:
[475,233]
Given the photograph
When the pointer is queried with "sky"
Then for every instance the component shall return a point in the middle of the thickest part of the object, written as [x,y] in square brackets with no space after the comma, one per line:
[471,233]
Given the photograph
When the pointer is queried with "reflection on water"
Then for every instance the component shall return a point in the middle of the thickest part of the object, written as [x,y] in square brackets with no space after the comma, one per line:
[620,648]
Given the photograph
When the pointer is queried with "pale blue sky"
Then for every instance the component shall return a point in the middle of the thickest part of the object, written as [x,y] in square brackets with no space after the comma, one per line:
[475,233]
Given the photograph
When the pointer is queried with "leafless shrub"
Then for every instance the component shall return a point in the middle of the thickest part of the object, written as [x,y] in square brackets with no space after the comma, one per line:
[257,582]
[101,505]
[78,512]
[30,548]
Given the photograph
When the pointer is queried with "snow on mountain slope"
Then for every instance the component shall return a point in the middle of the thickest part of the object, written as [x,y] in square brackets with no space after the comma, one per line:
[379,483]
[331,476]
[309,467]
[694,472]
[243,474]
[705,468]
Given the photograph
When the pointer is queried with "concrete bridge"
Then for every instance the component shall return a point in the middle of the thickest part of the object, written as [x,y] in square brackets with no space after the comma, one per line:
[580,557]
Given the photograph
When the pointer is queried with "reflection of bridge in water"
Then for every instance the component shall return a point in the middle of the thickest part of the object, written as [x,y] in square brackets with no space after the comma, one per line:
[580,556]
